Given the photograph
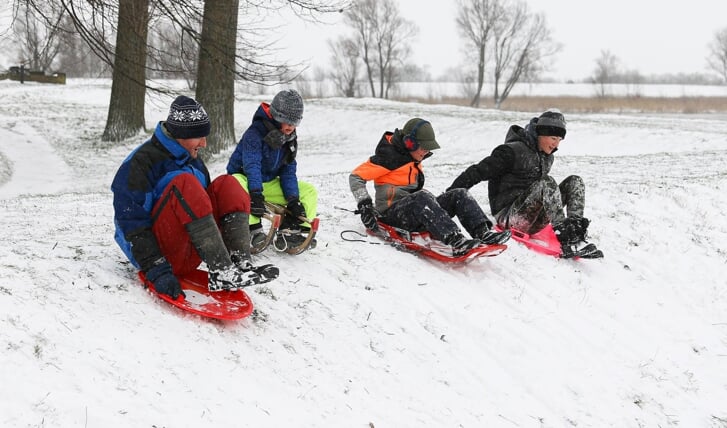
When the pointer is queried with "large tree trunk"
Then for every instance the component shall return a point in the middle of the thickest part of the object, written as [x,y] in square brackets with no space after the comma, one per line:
[128,89]
[216,72]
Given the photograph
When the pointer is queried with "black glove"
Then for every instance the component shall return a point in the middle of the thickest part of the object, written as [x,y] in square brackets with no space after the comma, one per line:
[164,280]
[296,208]
[257,204]
[368,214]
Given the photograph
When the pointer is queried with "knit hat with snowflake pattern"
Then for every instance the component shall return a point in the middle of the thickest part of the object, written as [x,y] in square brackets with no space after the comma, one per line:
[187,119]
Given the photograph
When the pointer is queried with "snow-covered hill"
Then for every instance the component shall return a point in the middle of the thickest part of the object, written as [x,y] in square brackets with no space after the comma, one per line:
[357,334]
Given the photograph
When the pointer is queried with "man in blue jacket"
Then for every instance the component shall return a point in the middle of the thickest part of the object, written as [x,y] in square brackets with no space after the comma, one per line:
[170,216]
[264,162]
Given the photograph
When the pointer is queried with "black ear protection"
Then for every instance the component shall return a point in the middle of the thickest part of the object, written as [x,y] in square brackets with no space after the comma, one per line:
[410,140]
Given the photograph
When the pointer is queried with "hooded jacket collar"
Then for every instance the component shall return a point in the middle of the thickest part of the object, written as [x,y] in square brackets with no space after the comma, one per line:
[180,154]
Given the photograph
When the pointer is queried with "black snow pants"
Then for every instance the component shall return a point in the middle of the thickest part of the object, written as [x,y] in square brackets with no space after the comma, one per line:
[543,203]
[422,211]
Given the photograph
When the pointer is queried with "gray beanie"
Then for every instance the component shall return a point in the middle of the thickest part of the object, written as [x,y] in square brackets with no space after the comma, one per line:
[551,123]
[187,119]
[287,107]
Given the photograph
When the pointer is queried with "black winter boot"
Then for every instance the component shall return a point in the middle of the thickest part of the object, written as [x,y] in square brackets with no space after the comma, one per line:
[489,237]
[223,273]
[460,244]
[291,234]
[208,242]
[235,230]
[572,233]
[257,236]
[290,224]
[267,272]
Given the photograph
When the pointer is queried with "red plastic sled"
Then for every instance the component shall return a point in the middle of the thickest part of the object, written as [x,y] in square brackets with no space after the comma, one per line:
[423,244]
[223,305]
[544,242]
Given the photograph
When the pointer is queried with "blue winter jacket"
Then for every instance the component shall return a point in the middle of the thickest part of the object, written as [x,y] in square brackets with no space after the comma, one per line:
[260,161]
[138,184]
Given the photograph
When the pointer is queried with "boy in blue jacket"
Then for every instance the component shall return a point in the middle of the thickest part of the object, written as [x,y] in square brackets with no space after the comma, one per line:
[264,162]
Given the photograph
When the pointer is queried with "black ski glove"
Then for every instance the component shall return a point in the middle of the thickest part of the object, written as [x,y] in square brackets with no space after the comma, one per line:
[257,204]
[368,214]
[296,208]
[164,280]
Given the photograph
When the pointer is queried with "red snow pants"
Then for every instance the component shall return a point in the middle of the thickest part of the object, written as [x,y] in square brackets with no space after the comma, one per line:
[185,200]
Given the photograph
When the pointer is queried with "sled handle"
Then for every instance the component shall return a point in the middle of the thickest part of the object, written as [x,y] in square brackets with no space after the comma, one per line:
[279,209]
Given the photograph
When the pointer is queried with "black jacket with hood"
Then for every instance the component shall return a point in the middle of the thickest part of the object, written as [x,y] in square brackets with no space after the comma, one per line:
[511,168]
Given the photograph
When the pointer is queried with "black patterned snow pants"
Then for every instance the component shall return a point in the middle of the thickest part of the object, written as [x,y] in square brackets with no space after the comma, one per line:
[422,211]
[543,203]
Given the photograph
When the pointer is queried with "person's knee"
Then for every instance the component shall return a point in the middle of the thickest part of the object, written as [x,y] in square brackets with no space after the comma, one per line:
[241,179]
[307,191]
[227,180]
[424,195]
[574,181]
[460,193]
[548,182]
[226,183]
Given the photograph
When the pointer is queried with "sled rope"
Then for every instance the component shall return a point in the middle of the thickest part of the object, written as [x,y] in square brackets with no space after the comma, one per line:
[358,237]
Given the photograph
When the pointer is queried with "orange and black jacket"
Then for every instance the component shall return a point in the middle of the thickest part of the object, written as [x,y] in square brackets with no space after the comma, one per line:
[392,169]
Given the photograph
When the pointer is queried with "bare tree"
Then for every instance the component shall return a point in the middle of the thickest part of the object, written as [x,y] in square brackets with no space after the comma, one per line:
[223,56]
[521,42]
[75,58]
[128,88]
[717,59]
[320,76]
[345,64]
[38,43]
[476,20]
[605,72]
[216,73]
[382,36]
[175,53]
[633,80]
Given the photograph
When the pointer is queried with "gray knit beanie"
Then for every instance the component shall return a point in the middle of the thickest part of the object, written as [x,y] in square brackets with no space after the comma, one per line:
[551,123]
[287,107]
[187,119]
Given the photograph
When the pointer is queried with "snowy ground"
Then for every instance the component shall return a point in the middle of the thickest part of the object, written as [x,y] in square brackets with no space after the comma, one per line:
[357,334]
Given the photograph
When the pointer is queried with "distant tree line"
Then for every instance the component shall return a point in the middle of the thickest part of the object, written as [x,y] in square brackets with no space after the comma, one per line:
[509,42]
[506,44]
[608,71]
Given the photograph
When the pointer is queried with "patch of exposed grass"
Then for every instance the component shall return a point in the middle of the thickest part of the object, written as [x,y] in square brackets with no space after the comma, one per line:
[571,104]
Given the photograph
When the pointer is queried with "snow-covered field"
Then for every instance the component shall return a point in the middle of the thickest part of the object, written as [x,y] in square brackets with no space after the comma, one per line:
[357,334]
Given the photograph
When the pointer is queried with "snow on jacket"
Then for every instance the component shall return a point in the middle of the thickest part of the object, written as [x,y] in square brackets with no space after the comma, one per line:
[137,186]
[260,160]
[511,168]
[394,172]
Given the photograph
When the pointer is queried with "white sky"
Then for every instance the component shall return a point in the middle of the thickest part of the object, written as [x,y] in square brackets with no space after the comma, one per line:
[648,36]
